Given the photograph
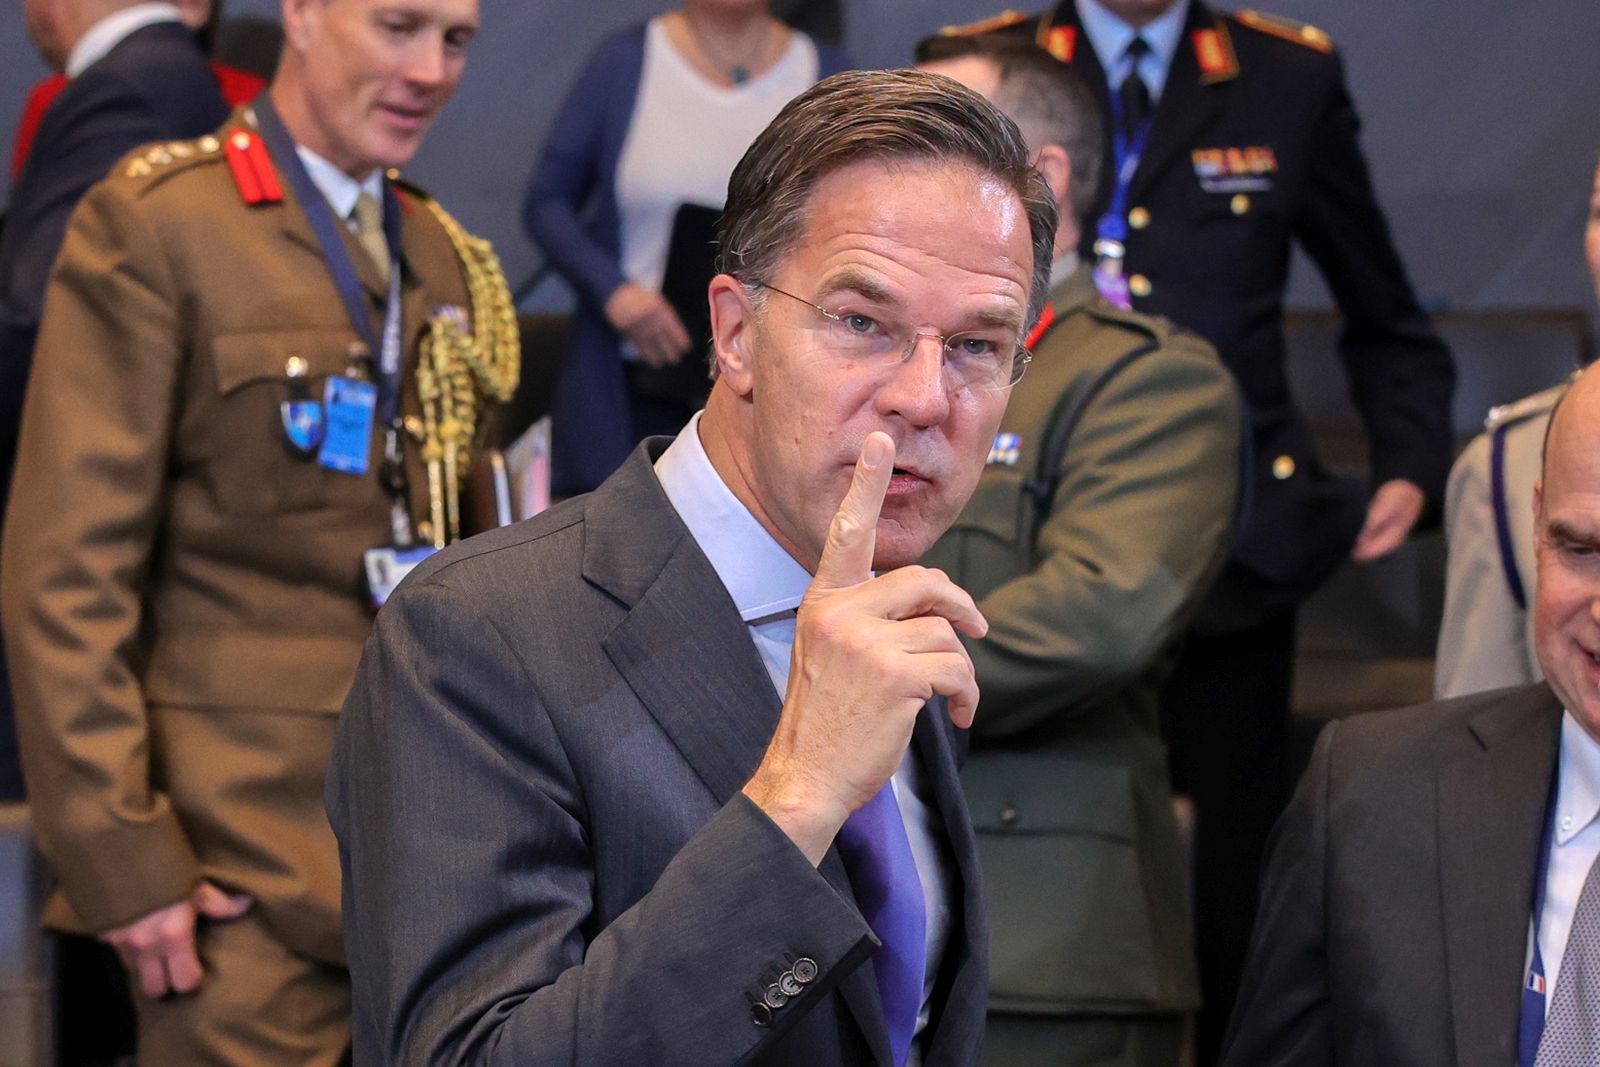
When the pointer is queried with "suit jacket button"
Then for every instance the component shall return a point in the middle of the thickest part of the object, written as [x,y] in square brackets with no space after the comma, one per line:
[789,984]
[805,969]
[1283,468]
[1008,815]
[775,998]
[760,1014]
[1239,205]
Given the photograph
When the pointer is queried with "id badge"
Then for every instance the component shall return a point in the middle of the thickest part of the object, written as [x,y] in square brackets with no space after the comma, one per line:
[350,407]
[386,567]
[1113,287]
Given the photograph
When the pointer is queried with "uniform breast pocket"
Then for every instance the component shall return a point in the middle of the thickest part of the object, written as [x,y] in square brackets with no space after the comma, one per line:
[252,465]
[981,549]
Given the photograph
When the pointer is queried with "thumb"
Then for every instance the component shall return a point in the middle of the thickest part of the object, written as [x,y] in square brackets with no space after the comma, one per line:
[853,534]
[213,903]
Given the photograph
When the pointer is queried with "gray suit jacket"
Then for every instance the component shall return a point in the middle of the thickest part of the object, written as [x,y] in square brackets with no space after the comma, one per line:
[547,859]
[1395,908]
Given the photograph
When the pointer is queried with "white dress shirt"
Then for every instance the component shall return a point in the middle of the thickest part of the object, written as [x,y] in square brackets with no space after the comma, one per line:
[1577,843]
[1110,37]
[766,585]
[339,188]
[112,30]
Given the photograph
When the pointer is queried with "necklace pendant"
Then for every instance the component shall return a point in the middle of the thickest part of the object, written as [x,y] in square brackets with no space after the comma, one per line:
[739,75]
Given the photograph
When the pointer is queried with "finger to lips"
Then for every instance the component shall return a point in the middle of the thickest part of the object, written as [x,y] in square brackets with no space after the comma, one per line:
[853,534]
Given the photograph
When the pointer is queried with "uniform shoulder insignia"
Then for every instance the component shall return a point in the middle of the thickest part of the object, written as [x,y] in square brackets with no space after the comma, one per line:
[1289,29]
[1539,403]
[166,157]
[1003,21]
[408,186]
[252,167]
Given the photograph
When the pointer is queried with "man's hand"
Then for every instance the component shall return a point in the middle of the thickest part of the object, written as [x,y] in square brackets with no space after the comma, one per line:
[159,948]
[868,654]
[645,318]
[1392,512]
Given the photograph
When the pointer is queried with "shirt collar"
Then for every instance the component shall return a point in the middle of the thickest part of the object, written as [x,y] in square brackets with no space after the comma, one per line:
[112,30]
[763,579]
[1578,800]
[1110,37]
[339,188]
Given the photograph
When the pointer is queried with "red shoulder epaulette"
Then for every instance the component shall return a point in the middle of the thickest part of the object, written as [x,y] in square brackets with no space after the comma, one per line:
[252,168]
[1059,41]
[1041,329]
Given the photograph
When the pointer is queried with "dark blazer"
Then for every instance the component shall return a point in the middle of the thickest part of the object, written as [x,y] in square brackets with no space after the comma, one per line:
[1217,262]
[547,858]
[1395,908]
[155,85]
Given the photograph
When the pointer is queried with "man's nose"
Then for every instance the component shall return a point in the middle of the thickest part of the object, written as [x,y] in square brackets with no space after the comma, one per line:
[917,389]
[426,64]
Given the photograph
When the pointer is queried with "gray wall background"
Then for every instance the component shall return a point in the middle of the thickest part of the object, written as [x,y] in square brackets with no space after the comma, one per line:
[1482,123]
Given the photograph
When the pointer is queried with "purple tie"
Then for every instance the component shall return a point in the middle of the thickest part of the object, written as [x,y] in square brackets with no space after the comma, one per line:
[883,873]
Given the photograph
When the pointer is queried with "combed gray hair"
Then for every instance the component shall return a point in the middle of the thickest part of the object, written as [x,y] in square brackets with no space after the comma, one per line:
[872,115]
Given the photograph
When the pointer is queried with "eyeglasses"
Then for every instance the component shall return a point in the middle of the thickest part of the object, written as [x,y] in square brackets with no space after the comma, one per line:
[990,358]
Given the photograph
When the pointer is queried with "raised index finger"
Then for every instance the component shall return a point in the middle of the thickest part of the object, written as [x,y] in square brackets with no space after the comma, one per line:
[853,534]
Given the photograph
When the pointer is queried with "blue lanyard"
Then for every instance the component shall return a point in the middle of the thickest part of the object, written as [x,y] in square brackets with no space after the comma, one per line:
[1530,1025]
[1125,154]
[337,257]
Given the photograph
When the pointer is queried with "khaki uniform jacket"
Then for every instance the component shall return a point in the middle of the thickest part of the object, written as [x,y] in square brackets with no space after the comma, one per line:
[1067,779]
[1486,634]
[183,600]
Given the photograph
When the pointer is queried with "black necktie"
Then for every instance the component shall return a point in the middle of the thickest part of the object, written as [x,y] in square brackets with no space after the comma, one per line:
[1133,93]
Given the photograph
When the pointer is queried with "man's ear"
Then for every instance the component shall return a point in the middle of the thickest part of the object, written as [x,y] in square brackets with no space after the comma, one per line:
[299,19]
[1056,166]
[733,325]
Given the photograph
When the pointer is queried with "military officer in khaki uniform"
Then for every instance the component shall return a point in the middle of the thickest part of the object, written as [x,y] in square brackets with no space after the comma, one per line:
[258,379]
[1099,522]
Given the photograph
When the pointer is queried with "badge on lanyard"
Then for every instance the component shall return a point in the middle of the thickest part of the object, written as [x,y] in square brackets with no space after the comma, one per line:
[387,567]
[351,406]
[304,423]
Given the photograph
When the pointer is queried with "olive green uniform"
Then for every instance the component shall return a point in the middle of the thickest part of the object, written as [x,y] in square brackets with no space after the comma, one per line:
[1086,595]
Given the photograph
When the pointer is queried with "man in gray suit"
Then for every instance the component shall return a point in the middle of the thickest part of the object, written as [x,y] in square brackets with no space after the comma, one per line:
[666,775]
[1395,917]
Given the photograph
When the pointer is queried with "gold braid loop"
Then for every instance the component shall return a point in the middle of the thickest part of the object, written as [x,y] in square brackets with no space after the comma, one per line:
[465,363]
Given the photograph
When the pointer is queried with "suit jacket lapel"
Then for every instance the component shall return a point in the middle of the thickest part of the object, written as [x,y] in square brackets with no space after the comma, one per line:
[688,657]
[1491,811]
[1187,107]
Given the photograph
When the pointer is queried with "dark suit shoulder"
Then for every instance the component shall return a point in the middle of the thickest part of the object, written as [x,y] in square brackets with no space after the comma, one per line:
[475,559]
[1413,739]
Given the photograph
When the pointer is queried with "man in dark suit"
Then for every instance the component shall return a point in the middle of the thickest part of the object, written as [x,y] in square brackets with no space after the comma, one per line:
[1231,137]
[1395,915]
[135,77]
[664,775]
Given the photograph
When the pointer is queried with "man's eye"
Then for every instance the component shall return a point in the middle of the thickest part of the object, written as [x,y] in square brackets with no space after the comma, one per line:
[973,346]
[858,323]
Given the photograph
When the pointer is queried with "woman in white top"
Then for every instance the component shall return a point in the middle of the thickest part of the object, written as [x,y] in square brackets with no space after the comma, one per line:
[656,121]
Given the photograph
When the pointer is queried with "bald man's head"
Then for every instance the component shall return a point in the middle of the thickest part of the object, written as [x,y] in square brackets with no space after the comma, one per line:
[1566,505]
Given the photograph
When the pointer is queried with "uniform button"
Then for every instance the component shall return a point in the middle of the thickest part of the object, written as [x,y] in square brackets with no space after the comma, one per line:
[1139,218]
[1566,822]
[1239,204]
[776,998]
[760,1014]
[1008,815]
[788,984]
[805,969]
[1139,285]
[1283,467]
